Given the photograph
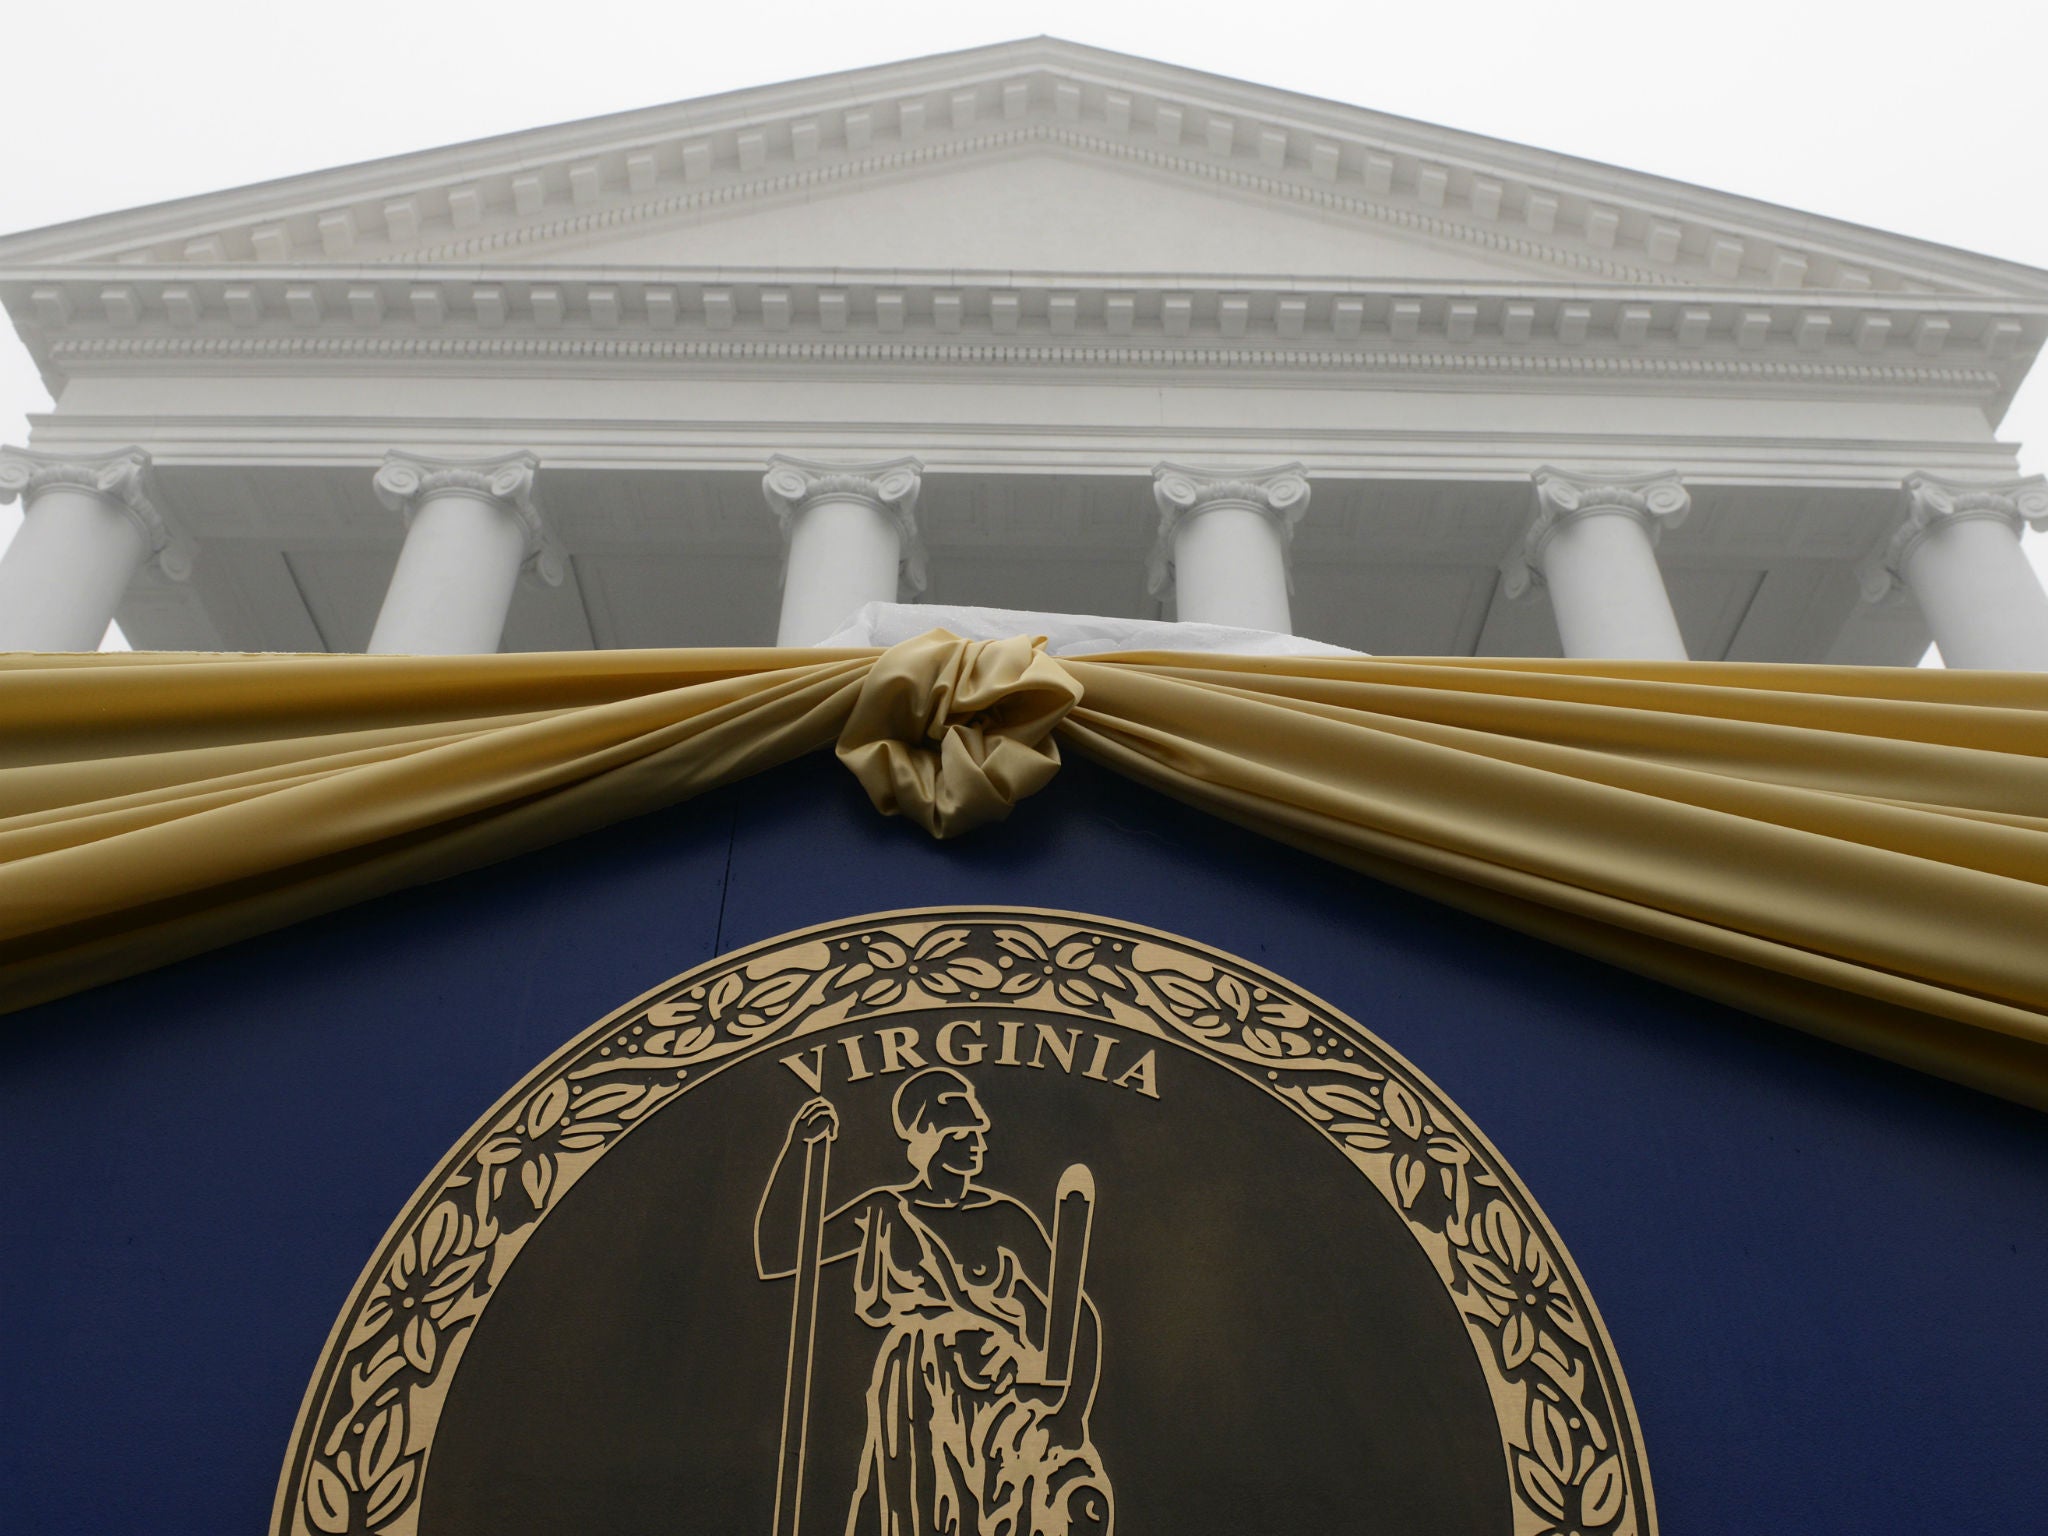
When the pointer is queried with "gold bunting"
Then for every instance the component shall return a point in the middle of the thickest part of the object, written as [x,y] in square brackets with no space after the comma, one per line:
[952,733]
[1859,852]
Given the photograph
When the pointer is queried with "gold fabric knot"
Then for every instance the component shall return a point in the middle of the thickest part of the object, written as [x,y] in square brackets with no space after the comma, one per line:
[952,732]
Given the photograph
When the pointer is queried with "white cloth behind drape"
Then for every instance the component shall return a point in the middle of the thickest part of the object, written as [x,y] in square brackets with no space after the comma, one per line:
[1067,634]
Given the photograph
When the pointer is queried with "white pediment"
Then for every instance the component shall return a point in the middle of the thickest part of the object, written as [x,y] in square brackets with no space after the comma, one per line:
[1037,209]
[1015,157]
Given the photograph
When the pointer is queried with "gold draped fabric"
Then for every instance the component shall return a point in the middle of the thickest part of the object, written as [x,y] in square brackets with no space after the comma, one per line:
[1859,852]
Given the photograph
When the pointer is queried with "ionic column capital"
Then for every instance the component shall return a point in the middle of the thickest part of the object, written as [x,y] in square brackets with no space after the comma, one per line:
[1933,503]
[124,480]
[793,486]
[405,482]
[1655,502]
[1279,494]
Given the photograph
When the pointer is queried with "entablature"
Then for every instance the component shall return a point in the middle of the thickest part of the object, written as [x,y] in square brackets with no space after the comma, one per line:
[125,318]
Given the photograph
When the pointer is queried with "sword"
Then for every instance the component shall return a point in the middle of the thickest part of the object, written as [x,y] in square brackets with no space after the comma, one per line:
[803,1329]
[1072,1217]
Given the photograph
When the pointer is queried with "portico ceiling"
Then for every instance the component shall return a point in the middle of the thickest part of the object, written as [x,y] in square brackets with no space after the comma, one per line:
[298,559]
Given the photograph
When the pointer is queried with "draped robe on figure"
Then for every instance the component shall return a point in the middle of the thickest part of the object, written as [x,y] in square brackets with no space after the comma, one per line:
[958,1443]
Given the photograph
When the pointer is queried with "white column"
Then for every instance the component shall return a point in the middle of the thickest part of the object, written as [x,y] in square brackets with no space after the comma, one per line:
[851,531]
[1957,549]
[471,526]
[1223,542]
[88,525]
[1593,543]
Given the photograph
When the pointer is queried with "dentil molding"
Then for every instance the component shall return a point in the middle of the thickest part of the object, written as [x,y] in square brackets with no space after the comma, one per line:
[799,181]
[629,352]
[119,311]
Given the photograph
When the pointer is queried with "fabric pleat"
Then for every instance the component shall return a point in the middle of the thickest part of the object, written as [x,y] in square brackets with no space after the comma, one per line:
[1858,852]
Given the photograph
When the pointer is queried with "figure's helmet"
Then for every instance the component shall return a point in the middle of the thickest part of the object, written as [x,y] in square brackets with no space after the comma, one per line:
[934,1106]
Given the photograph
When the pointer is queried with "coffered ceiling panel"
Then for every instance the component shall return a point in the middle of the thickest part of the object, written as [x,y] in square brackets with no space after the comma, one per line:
[1393,608]
[680,599]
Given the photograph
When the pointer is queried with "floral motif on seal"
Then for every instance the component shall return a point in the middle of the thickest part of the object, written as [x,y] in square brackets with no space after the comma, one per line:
[1571,1453]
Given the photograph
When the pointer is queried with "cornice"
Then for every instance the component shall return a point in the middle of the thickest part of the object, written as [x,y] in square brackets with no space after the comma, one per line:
[660,441]
[115,318]
[119,304]
[17,282]
[798,181]
[1477,452]
[671,161]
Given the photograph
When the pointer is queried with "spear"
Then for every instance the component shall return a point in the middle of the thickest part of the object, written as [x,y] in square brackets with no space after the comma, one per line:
[803,1329]
[1073,1215]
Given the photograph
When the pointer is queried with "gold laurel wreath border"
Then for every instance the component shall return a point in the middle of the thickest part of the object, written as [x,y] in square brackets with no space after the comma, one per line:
[716,1018]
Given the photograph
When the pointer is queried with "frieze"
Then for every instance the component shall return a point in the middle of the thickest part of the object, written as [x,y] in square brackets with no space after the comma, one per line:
[1976,383]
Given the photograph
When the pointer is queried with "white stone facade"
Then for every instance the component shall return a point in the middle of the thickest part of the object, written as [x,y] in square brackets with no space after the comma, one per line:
[1035,327]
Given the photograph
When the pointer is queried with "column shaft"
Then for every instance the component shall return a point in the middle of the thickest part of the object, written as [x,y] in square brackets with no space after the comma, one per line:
[471,526]
[88,525]
[1230,567]
[844,552]
[1223,542]
[1607,591]
[1980,596]
[66,571]
[1593,542]
[1957,549]
[454,582]
[851,531]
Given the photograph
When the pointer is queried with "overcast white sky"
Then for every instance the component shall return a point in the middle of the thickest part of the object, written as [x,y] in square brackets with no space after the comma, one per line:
[1929,122]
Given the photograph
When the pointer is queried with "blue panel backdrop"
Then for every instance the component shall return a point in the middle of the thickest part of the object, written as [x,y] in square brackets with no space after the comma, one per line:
[1824,1276]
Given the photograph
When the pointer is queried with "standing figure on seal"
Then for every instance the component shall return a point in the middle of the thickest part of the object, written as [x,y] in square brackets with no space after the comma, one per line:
[966,1433]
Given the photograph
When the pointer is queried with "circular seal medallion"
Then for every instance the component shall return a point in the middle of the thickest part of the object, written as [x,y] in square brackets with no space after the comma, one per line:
[990,1221]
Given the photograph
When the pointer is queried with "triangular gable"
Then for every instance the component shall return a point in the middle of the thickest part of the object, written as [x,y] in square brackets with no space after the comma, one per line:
[1414,200]
[1035,208]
